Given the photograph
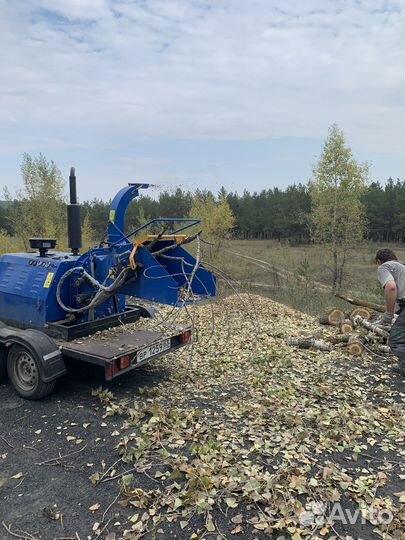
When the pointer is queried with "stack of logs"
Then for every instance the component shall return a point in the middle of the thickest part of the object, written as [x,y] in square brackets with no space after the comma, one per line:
[355,332]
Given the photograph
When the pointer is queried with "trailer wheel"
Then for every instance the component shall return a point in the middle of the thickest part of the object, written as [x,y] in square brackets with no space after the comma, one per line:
[3,361]
[24,374]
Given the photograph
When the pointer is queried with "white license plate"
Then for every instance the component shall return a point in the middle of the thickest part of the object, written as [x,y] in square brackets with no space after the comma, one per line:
[153,350]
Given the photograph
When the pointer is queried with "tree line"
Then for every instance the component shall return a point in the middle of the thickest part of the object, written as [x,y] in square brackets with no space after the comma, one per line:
[271,214]
[337,208]
[280,214]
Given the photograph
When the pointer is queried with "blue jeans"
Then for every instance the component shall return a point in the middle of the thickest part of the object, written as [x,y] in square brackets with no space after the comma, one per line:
[396,340]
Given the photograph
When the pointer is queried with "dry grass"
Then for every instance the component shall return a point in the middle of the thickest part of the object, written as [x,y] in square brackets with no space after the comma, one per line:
[292,274]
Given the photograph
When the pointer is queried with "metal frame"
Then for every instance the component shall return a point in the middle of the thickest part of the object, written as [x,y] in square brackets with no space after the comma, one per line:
[69,330]
[191,222]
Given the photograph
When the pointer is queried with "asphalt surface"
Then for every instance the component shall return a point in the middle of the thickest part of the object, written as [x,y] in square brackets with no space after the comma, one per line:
[33,432]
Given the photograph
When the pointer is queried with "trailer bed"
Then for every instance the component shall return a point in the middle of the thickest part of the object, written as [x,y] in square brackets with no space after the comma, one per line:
[125,351]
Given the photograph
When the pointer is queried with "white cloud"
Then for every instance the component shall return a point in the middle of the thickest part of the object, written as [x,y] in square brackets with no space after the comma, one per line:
[84,72]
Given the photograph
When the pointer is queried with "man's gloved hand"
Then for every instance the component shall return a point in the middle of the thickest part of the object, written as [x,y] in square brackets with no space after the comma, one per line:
[384,320]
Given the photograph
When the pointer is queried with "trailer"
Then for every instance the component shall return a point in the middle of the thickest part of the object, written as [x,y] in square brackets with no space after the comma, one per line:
[54,306]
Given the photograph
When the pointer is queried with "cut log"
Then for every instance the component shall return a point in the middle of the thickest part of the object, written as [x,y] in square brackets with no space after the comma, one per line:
[362,331]
[340,345]
[360,302]
[346,327]
[374,339]
[310,343]
[365,313]
[366,324]
[383,348]
[355,347]
[340,338]
[333,316]
[376,347]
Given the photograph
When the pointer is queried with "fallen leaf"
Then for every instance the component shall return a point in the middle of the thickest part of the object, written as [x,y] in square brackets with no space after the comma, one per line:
[231,502]
[210,525]
[94,478]
[127,480]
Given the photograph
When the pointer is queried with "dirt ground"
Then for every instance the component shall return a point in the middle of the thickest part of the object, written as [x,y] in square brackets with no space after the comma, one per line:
[34,432]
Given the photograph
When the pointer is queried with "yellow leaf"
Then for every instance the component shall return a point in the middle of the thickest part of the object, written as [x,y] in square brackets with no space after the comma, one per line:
[231,502]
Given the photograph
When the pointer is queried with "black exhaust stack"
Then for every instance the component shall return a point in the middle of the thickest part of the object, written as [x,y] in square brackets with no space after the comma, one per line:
[73,213]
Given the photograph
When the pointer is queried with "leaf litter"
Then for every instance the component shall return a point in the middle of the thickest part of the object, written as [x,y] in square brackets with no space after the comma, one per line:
[245,434]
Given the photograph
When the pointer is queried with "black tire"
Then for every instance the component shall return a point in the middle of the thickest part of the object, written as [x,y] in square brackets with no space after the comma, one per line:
[24,374]
[3,361]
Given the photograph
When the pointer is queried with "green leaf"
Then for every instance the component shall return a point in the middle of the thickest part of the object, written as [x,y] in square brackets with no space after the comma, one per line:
[127,480]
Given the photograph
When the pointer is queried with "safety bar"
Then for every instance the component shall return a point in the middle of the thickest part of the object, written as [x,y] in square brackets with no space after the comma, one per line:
[191,223]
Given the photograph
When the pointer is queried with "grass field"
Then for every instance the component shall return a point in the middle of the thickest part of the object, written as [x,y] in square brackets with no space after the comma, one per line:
[299,276]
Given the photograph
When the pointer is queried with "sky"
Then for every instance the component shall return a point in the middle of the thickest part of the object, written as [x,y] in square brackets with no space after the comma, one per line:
[199,93]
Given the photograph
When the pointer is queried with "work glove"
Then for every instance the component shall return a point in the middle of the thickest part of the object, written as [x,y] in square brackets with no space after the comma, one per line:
[384,320]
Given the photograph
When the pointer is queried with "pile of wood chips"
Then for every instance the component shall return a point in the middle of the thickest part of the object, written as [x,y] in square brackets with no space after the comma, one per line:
[241,434]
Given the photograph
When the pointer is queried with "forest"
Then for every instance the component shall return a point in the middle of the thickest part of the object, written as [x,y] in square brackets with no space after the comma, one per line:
[271,214]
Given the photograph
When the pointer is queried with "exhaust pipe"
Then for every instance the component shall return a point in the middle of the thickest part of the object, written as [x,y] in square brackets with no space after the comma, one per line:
[73,215]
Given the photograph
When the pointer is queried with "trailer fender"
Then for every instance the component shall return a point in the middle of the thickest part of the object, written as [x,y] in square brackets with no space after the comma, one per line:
[148,311]
[50,357]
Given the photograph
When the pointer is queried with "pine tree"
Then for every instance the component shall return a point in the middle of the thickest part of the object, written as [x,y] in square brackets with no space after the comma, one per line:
[88,234]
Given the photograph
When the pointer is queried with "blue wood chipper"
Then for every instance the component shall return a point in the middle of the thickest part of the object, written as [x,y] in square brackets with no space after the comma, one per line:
[50,301]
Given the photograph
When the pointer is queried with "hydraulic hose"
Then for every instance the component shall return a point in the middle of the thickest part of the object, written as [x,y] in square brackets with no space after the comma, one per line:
[103,293]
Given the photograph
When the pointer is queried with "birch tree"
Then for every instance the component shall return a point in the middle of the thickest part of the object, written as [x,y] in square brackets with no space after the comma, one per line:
[38,208]
[337,211]
[217,220]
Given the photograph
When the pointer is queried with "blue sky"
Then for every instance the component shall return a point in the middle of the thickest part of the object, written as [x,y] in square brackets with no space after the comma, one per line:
[199,93]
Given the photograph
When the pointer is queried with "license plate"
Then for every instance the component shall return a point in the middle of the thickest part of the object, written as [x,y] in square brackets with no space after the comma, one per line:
[153,350]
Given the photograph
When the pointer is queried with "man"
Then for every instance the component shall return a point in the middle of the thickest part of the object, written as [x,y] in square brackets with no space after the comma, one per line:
[391,275]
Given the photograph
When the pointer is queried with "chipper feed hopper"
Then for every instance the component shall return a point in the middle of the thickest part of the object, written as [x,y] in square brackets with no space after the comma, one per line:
[50,301]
